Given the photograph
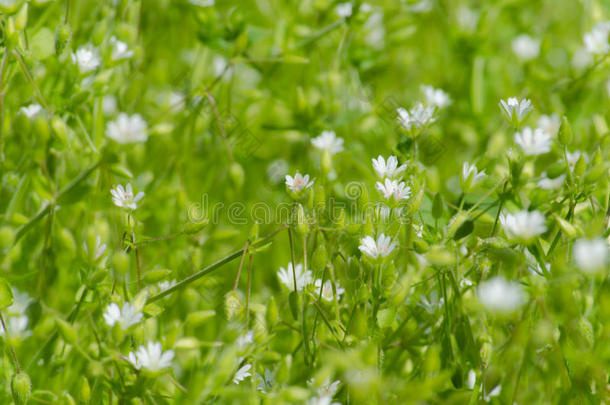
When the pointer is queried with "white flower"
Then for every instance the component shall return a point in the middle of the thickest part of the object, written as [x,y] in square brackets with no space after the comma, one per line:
[523,225]
[328,141]
[31,110]
[493,393]
[245,340]
[123,197]
[98,250]
[151,357]
[418,117]
[590,255]
[547,183]
[422,6]
[432,305]
[344,10]
[109,105]
[596,40]
[526,47]
[120,49]
[435,97]
[515,110]
[298,183]
[86,58]
[534,142]
[21,302]
[16,327]
[327,289]
[327,388]
[322,400]
[573,157]
[276,171]
[393,188]
[380,248]
[125,317]
[127,129]
[388,168]
[499,295]
[242,374]
[287,277]
[467,18]
[165,284]
[549,123]
[471,177]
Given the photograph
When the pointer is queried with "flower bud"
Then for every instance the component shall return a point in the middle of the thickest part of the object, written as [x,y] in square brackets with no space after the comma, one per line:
[40,127]
[272,313]
[21,387]
[66,331]
[236,172]
[59,129]
[120,262]
[193,228]
[21,19]
[565,135]
[233,305]
[7,237]
[581,166]
[293,301]
[319,198]
[11,33]
[62,37]
[319,258]
[302,224]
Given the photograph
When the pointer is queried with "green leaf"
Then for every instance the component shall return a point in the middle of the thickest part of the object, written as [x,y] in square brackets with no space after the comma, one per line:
[6,294]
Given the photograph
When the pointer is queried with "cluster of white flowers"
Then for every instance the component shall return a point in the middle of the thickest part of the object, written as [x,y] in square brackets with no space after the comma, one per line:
[591,255]
[392,187]
[31,110]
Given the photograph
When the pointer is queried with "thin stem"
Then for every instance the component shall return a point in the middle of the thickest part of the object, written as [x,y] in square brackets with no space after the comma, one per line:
[249,289]
[214,266]
[2,72]
[10,347]
[28,76]
[241,264]
[221,126]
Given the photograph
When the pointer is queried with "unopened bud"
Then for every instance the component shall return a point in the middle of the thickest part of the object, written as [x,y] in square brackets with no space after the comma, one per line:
[21,387]
[233,305]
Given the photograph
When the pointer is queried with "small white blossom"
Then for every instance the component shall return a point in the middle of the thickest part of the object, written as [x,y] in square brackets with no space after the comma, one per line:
[86,58]
[17,327]
[573,157]
[534,142]
[165,284]
[432,305]
[242,374]
[499,295]
[418,117]
[435,97]
[322,400]
[526,47]
[127,129]
[523,225]
[109,105]
[327,289]
[547,183]
[298,183]
[471,177]
[590,255]
[381,247]
[287,277]
[327,388]
[467,18]
[98,249]
[394,189]
[276,170]
[422,6]
[21,302]
[124,198]
[245,340]
[388,168]
[596,40]
[151,357]
[549,123]
[328,141]
[515,110]
[125,317]
[31,110]
[493,393]
[344,10]
[120,50]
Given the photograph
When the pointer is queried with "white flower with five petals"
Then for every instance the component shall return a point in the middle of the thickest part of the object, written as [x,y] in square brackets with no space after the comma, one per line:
[151,357]
[123,197]
[388,168]
[379,248]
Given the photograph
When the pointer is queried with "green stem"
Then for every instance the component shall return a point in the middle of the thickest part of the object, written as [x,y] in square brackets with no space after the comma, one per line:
[10,347]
